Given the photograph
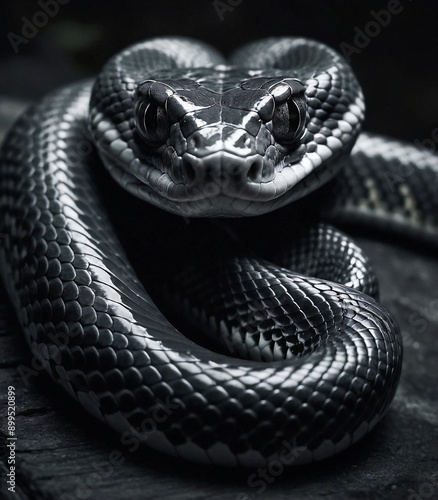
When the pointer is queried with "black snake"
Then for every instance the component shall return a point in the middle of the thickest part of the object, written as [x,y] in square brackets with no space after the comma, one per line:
[178,126]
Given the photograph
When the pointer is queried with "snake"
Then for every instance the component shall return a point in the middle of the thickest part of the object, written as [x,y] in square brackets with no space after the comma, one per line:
[219,183]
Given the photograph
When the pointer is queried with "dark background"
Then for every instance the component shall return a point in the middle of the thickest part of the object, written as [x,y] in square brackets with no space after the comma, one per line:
[397,67]
[60,448]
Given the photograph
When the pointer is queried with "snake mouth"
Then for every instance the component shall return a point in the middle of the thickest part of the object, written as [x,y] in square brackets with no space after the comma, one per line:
[223,175]
[223,184]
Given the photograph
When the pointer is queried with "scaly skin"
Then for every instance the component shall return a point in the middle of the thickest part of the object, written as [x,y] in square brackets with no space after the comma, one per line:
[336,353]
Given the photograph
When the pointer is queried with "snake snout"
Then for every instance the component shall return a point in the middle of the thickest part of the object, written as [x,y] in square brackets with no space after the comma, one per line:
[224,160]
[221,137]
[224,173]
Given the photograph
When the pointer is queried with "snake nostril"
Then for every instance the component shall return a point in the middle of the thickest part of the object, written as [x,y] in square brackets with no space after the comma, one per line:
[195,141]
[254,171]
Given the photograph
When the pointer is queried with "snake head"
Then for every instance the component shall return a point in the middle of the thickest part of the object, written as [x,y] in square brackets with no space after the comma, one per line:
[229,141]
[220,146]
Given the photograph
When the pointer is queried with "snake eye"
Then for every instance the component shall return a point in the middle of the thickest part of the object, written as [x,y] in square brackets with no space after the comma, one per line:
[288,121]
[289,117]
[152,122]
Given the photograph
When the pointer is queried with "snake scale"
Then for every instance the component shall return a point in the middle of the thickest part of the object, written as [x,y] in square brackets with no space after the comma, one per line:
[303,357]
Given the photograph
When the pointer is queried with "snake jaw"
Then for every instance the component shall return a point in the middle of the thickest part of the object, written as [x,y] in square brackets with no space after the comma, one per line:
[223,184]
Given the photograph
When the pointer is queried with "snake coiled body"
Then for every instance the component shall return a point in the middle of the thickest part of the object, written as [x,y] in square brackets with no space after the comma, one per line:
[177,127]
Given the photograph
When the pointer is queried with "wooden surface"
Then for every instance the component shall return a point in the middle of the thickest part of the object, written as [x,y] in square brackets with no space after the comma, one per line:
[62,453]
